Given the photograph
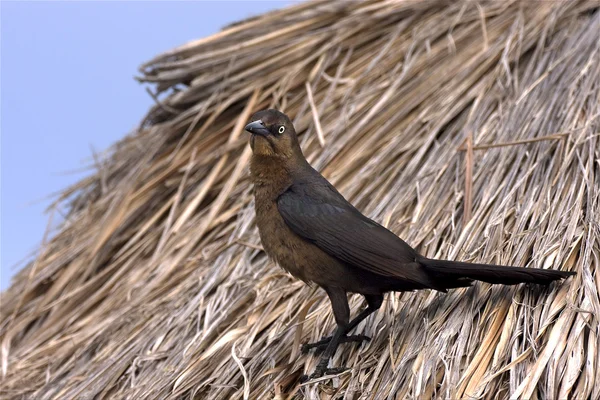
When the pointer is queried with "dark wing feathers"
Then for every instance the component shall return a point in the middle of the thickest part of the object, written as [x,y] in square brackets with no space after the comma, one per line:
[318,213]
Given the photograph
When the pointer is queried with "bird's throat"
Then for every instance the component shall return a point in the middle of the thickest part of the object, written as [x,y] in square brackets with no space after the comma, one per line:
[270,173]
[261,145]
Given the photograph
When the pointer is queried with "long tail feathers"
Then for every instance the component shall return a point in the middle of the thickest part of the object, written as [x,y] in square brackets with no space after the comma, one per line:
[453,270]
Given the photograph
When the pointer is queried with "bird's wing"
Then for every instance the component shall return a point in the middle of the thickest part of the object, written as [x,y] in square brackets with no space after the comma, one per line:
[319,214]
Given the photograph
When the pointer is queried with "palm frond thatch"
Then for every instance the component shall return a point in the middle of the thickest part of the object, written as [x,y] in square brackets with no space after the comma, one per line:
[156,287]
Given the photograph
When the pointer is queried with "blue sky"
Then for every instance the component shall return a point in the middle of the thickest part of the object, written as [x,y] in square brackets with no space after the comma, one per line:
[66,79]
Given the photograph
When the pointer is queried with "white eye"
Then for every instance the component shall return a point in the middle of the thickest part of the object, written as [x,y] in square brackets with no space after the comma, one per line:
[281,129]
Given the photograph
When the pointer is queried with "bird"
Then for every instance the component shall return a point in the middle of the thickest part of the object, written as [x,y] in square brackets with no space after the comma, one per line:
[315,234]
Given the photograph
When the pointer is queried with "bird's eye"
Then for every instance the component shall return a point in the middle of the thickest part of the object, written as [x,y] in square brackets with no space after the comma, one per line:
[281,129]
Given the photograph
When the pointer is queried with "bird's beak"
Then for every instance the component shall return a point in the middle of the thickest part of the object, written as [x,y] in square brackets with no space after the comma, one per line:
[257,128]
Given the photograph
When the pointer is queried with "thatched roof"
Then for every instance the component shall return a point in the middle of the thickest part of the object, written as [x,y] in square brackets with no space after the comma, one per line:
[156,286]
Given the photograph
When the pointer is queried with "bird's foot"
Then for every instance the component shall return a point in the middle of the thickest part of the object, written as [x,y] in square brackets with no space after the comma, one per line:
[321,371]
[322,344]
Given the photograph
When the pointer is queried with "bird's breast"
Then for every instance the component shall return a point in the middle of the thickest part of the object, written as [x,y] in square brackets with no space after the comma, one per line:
[301,258]
[279,242]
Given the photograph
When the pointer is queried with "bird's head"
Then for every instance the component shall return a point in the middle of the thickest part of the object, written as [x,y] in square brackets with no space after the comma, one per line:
[273,135]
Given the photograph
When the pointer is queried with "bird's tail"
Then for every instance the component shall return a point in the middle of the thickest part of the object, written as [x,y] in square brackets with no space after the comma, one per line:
[453,270]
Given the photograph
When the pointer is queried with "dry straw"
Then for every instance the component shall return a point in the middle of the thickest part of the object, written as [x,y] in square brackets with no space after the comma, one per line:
[155,286]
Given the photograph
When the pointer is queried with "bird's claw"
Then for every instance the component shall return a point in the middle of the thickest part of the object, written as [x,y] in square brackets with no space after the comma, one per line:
[320,371]
[322,344]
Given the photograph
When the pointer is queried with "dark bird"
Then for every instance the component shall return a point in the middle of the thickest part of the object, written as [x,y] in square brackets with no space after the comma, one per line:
[308,227]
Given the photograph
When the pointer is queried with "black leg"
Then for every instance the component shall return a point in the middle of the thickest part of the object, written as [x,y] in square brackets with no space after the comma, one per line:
[341,312]
[322,344]
[373,304]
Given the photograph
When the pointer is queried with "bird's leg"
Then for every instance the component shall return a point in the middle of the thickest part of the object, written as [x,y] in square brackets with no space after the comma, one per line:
[341,312]
[322,366]
[373,304]
[322,344]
